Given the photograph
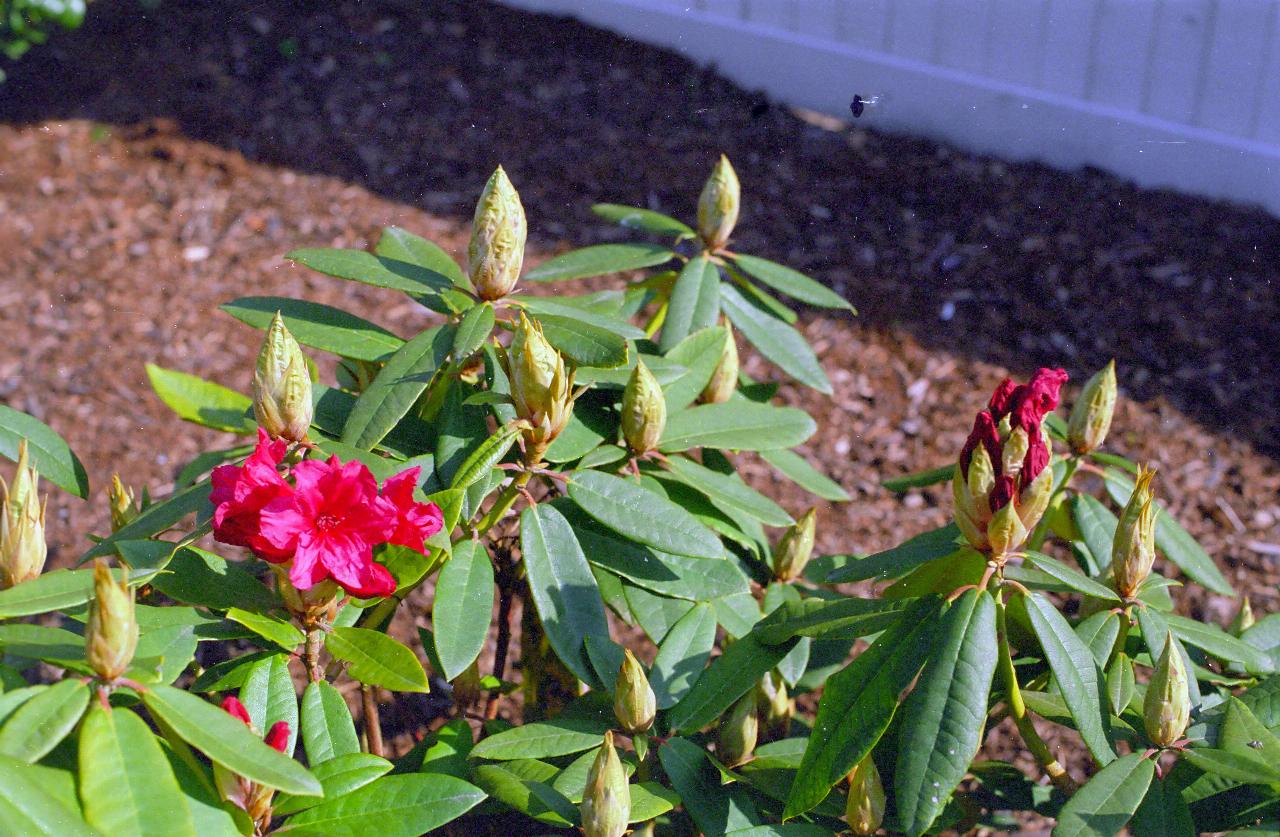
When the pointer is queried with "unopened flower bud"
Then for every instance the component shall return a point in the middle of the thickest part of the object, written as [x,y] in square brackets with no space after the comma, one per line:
[23,549]
[277,738]
[794,549]
[1166,711]
[634,703]
[644,410]
[606,801]
[1091,415]
[1244,619]
[777,705]
[123,509]
[865,808]
[541,388]
[111,634]
[739,731]
[1133,551]
[498,231]
[282,385]
[724,381]
[718,205]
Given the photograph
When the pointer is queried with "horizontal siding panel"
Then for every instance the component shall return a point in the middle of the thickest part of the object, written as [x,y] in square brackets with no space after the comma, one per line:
[961,38]
[820,18]
[912,33]
[1015,32]
[1267,120]
[1121,53]
[865,24]
[1234,66]
[1068,50]
[1181,35]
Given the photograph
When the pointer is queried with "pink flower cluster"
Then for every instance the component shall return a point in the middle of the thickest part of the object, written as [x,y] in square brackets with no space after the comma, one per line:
[1026,405]
[323,516]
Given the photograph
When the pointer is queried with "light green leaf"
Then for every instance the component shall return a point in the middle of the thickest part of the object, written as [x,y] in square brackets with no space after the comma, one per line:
[1218,643]
[1097,526]
[202,578]
[202,402]
[793,283]
[599,260]
[714,807]
[338,776]
[897,561]
[29,806]
[157,518]
[583,343]
[683,655]
[796,468]
[473,330]
[1108,801]
[694,304]
[645,220]
[565,307]
[776,340]
[56,590]
[377,659]
[49,454]
[485,458]
[920,479]
[328,731]
[365,267]
[271,628]
[529,796]
[406,805]
[318,326]
[643,516]
[397,386]
[698,355]
[1071,577]
[846,617]
[269,696]
[403,246]
[736,425]
[41,723]
[729,491]
[463,607]
[561,736]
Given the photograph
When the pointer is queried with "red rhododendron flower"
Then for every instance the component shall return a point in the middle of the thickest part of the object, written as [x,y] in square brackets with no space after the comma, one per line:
[241,492]
[1036,460]
[234,707]
[1037,398]
[1002,492]
[277,737]
[330,524]
[415,522]
[984,433]
[1001,398]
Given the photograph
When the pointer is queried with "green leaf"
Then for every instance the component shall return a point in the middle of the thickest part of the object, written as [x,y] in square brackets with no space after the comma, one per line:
[946,711]
[639,514]
[1163,811]
[736,425]
[377,660]
[858,703]
[1097,526]
[1077,674]
[530,797]
[920,479]
[338,776]
[796,468]
[42,722]
[485,458]
[406,805]
[271,628]
[202,402]
[197,577]
[562,587]
[1175,542]
[269,696]
[793,283]
[698,355]
[846,617]
[378,271]
[583,343]
[157,518]
[328,732]
[55,590]
[403,246]
[902,559]
[318,326]
[227,741]
[397,387]
[30,807]
[682,655]
[561,736]
[126,783]
[694,303]
[776,340]
[565,308]
[730,491]
[645,220]
[599,260]
[1071,577]
[37,642]
[1108,801]
[715,809]
[463,607]
[49,454]
[731,675]
[1233,764]
[656,614]
[1218,643]
[473,330]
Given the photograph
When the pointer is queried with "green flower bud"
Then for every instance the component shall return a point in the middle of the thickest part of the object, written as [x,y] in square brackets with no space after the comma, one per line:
[795,547]
[644,410]
[498,231]
[282,385]
[724,381]
[1244,619]
[123,509]
[1034,499]
[634,703]
[1133,551]
[540,387]
[23,549]
[1166,710]
[1014,452]
[1091,414]
[718,205]
[966,512]
[111,634]
[778,706]
[1005,531]
[865,808]
[739,731]
[606,802]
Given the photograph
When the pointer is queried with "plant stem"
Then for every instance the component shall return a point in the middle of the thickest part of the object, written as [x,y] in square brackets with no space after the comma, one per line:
[1018,708]
[1042,527]
[311,653]
[503,504]
[506,593]
[372,721]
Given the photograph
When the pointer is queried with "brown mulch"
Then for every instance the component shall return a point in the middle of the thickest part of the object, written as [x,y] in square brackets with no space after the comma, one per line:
[156,164]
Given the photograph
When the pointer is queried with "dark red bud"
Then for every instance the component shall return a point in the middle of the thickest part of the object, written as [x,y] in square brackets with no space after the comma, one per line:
[984,433]
[234,707]
[1001,399]
[1037,458]
[1002,493]
[278,736]
[1031,403]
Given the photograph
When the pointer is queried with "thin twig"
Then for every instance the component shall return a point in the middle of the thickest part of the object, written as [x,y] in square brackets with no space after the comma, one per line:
[502,646]
[372,721]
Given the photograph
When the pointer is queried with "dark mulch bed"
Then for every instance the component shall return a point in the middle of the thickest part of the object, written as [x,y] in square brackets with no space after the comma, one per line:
[154,165]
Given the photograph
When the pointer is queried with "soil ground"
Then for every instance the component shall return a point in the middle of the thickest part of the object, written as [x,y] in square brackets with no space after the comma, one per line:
[156,164]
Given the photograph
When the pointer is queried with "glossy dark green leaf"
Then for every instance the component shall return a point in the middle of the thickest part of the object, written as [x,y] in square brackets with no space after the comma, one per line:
[1235,765]
[49,454]
[645,220]
[1163,811]
[463,607]
[637,513]
[656,614]
[269,695]
[41,723]
[473,330]
[714,807]
[697,355]
[397,387]
[599,260]
[1070,577]
[275,629]
[776,340]
[682,655]
[1097,526]
[583,343]
[327,728]
[533,798]
[403,246]
[485,457]
[1077,674]
[796,468]
[1218,643]
[404,805]
[566,307]
[694,303]
[793,283]
[202,402]
[1155,632]
[899,560]
[844,616]
[1108,801]
[736,425]
[729,491]
[197,577]
[157,518]
[377,660]
[946,711]
[369,269]
[731,675]
[318,326]
[562,587]
[55,590]
[561,736]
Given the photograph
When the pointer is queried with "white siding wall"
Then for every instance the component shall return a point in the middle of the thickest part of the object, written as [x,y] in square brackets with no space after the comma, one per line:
[1179,93]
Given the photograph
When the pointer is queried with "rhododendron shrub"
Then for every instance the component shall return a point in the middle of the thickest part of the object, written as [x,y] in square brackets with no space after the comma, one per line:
[531,504]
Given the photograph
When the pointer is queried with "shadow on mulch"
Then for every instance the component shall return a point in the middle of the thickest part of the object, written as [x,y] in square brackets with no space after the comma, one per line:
[1015,264]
